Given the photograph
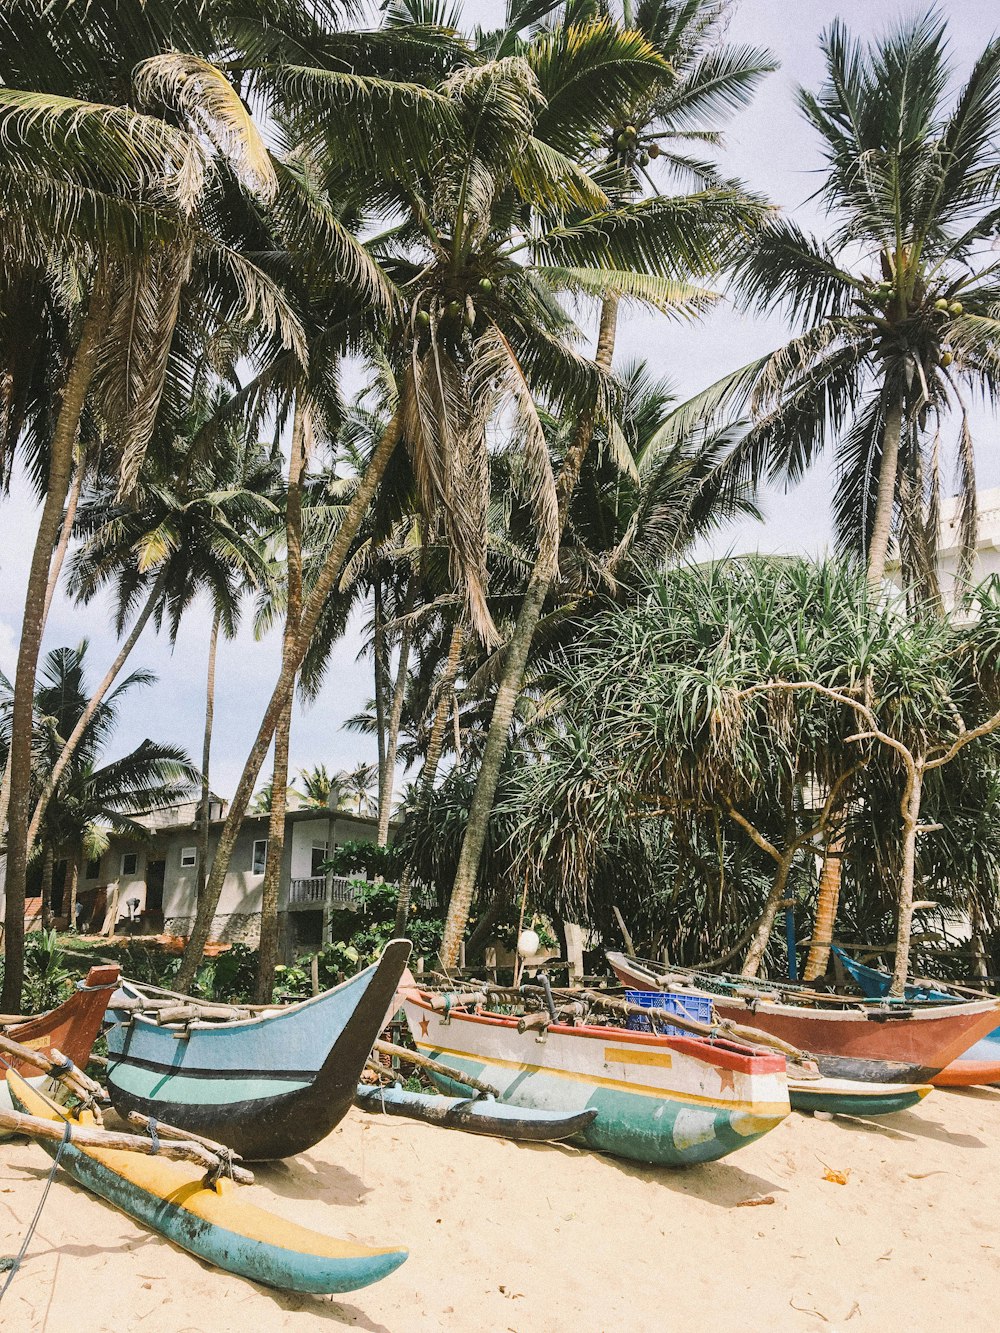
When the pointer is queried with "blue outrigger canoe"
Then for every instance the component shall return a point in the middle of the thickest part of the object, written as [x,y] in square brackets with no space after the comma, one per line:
[483,1116]
[212,1221]
[266,1087]
[977,1065]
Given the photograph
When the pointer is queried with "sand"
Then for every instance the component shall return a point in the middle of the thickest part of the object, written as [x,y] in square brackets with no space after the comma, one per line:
[508,1238]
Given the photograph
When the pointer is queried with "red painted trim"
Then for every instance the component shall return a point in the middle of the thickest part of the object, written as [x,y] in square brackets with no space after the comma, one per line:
[721,1052]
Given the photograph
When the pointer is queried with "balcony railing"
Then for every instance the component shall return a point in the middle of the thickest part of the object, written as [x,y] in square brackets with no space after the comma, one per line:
[320,891]
[325,891]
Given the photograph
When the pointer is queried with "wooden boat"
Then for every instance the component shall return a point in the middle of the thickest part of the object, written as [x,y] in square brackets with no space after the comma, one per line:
[71,1028]
[485,1116]
[860,1041]
[212,1221]
[665,1100]
[267,1087]
[979,1064]
[841,1096]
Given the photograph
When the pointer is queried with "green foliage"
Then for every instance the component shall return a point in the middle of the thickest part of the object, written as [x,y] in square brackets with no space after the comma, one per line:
[47,981]
[365,857]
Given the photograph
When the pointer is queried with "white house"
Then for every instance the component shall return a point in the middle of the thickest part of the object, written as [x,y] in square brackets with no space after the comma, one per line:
[150,886]
[987,558]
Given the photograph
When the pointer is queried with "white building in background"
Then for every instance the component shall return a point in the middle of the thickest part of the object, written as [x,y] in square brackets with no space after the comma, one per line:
[987,560]
[149,887]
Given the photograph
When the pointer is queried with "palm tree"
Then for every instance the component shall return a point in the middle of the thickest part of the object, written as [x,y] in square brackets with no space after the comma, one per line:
[193,524]
[322,790]
[113,200]
[95,797]
[897,308]
[476,334]
[358,783]
[696,80]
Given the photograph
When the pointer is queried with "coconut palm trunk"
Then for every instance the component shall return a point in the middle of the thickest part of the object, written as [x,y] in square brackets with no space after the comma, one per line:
[65,533]
[827,902]
[878,547]
[48,876]
[59,555]
[515,662]
[378,660]
[435,748]
[64,438]
[267,955]
[72,888]
[387,770]
[95,701]
[205,803]
[283,688]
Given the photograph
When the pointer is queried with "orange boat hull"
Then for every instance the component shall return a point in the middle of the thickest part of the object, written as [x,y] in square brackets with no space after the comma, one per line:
[72,1028]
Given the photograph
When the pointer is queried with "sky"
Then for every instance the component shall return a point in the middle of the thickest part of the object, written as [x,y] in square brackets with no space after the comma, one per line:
[770,147]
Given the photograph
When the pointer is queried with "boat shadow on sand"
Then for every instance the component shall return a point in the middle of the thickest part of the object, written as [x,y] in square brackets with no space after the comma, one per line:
[908,1125]
[721,1183]
[304,1177]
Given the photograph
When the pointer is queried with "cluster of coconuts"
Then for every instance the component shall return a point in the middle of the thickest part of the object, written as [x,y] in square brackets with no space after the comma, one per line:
[623,145]
[946,307]
[456,310]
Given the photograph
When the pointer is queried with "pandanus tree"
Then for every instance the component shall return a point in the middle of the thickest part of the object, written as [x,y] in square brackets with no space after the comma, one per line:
[896,308]
[755,677]
[487,214]
[696,81]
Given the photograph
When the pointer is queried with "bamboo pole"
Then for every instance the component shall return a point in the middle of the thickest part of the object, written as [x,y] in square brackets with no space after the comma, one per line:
[86,1136]
[79,1084]
[432,1067]
[188,1013]
[171,1132]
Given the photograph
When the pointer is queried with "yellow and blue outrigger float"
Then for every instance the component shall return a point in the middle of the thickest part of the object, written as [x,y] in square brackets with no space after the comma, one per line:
[211,1220]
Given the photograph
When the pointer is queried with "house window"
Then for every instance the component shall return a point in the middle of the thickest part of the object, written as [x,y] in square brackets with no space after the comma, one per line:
[259,856]
[93,870]
[319,859]
[130,863]
[189,857]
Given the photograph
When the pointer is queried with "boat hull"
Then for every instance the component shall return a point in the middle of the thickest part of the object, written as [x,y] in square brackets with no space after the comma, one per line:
[977,1065]
[668,1101]
[268,1087]
[71,1028]
[213,1222]
[869,1045]
[844,1097]
[486,1116]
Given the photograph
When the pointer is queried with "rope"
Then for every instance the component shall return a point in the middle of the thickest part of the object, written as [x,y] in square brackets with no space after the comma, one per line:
[13,1264]
[154,1137]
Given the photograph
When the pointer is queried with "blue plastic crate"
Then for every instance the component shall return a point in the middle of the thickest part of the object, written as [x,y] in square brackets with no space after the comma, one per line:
[692,1006]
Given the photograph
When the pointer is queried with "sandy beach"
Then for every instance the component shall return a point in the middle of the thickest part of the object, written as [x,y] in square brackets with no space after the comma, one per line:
[507,1238]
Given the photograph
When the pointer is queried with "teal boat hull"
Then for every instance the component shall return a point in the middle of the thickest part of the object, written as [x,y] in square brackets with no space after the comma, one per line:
[266,1087]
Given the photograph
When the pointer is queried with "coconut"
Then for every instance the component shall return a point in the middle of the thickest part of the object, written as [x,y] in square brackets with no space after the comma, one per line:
[956,308]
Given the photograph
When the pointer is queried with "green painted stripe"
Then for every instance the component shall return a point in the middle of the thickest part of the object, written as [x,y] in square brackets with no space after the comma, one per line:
[659,1131]
[198,1091]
